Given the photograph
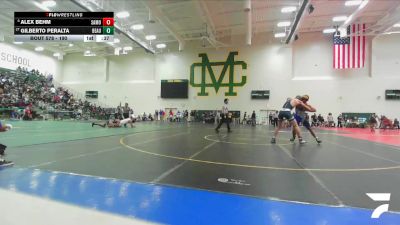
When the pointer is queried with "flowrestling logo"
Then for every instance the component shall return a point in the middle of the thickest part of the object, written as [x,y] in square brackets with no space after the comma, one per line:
[217,83]
[379,197]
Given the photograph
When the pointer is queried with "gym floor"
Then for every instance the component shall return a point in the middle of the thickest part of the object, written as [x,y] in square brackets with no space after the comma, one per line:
[172,173]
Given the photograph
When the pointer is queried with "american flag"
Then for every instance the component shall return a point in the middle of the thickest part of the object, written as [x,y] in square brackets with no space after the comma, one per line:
[349,52]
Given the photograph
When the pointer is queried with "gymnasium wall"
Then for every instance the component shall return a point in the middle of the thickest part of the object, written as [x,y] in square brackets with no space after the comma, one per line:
[302,68]
[11,56]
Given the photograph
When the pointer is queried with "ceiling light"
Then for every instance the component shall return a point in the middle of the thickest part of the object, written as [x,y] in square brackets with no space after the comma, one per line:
[161,45]
[137,27]
[116,40]
[329,31]
[18,42]
[39,49]
[339,18]
[288,9]
[352,3]
[396,25]
[394,32]
[350,18]
[56,54]
[150,37]
[127,48]
[363,4]
[123,14]
[40,6]
[49,3]
[70,45]
[278,35]
[283,24]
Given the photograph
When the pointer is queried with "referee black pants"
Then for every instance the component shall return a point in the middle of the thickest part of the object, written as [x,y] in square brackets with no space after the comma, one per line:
[224,119]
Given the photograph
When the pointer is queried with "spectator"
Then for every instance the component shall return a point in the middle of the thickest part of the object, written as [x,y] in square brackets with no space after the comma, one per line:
[189,115]
[314,121]
[171,115]
[276,118]
[217,117]
[396,123]
[178,116]
[340,121]
[186,115]
[372,122]
[253,118]
[386,123]
[156,115]
[163,115]
[27,113]
[144,117]
[270,117]
[321,120]
[331,122]
[244,121]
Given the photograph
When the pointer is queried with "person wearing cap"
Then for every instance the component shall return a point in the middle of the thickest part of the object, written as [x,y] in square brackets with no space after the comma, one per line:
[302,117]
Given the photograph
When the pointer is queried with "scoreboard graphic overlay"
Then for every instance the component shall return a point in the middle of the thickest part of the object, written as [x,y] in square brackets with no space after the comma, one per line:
[64,26]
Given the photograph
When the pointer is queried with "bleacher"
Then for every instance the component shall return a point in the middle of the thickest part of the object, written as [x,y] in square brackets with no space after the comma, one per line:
[46,98]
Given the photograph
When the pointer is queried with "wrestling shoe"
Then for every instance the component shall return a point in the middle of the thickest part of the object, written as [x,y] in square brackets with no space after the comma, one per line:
[273,140]
[4,163]
[318,140]
[291,139]
[301,141]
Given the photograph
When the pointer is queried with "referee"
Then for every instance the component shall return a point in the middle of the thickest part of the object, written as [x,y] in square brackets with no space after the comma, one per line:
[224,116]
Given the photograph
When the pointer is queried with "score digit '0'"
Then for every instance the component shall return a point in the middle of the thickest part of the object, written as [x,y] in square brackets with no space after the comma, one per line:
[108,21]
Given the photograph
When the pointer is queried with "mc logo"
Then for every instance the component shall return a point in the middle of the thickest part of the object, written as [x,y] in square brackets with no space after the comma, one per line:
[207,66]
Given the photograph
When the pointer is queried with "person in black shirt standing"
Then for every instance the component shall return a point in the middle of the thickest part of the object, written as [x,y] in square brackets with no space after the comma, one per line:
[276,118]
[271,119]
[396,123]
[253,118]
[224,116]
[339,121]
